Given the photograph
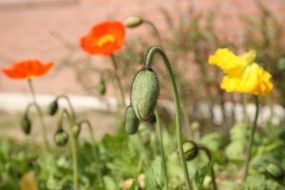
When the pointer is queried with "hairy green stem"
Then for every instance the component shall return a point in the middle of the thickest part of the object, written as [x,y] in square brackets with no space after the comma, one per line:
[73,147]
[213,175]
[251,140]
[159,133]
[149,59]
[95,151]
[40,114]
[118,80]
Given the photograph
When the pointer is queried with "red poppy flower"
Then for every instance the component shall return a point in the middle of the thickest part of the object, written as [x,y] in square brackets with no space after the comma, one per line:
[104,38]
[27,69]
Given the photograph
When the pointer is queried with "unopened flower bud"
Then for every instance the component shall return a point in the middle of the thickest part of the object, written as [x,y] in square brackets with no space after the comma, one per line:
[101,87]
[60,137]
[144,94]
[131,121]
[275,171]
[133,21]
[190,150]
[26,124]
[53,107]
[76,128]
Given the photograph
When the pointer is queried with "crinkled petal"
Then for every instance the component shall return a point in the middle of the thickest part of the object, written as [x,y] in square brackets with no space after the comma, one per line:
[230,63]
[254,80]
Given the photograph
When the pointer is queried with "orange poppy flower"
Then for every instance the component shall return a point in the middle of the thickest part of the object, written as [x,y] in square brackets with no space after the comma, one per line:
[27,69]
[104,38]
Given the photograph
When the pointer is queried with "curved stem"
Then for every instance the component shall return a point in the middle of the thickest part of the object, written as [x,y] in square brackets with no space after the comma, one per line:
[213,176]
[117,78]
[149,59]
[159,133]
[73,148]
[72,110]
[253,129]
[40,114]
[95,151]
[32,90]
[155,31]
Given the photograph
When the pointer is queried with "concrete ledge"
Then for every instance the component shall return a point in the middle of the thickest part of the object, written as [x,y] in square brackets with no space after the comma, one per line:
[17,102]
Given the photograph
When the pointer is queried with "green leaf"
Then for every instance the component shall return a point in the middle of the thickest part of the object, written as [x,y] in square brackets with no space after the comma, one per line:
[238,141]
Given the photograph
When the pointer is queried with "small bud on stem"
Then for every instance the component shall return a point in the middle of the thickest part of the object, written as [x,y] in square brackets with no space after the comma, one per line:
[131,121]
[26,124]
[53,107]
[60,137]
[191,150]
[133,21]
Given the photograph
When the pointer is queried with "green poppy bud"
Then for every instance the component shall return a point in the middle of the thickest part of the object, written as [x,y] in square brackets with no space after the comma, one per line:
[144,94]
[53,107]
[26,124]
[60,137]
[131,121]
[101,88]
[275,171]
[190,150]
[76,128]
[133,21]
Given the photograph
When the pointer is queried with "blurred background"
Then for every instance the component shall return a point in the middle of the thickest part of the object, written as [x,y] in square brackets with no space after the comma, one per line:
[51,29]
[189,31]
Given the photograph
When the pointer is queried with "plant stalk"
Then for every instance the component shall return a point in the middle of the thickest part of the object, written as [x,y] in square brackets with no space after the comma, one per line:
[40,114]
[118,80]
[251,140]
[155,31]
[149,59]
[72,110]
[213,175]
[73,147]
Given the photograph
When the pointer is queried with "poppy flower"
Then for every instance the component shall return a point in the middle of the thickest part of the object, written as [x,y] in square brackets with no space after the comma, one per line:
[27,69]
[104,38]
[242,74]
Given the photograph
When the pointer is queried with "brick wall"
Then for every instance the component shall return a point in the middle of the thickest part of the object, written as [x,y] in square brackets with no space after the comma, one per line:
[31,29]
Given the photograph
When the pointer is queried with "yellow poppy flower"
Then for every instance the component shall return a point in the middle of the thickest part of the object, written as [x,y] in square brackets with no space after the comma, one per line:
[254,80]
[230,63]
[242,75]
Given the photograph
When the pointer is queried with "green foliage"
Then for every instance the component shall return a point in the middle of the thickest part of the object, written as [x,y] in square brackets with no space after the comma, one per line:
[238,140]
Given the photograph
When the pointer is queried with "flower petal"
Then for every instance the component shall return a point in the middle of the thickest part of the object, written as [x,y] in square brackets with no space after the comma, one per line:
[254,80]
[230,63]
[104,38]
[26,69]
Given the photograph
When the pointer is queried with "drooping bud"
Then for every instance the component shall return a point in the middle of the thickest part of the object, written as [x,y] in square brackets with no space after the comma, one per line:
[133,21]
[131,121]
[275,171]
[101,88]
[26,124]
[190,150]
[144,94]
[60,137]
[76,128]
[53,107]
